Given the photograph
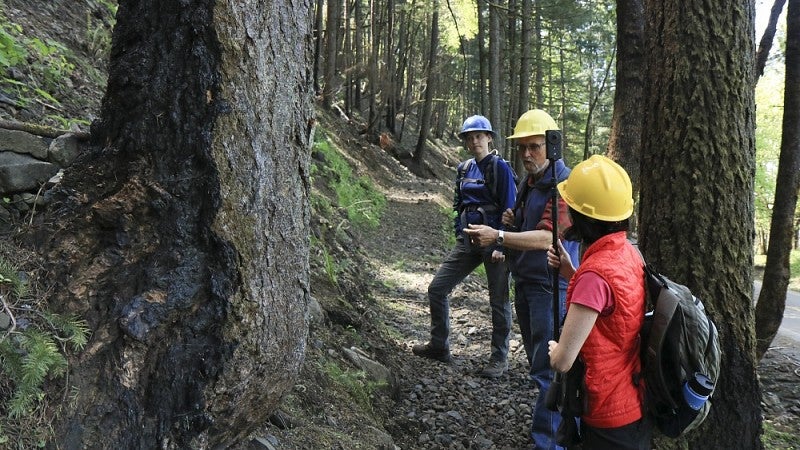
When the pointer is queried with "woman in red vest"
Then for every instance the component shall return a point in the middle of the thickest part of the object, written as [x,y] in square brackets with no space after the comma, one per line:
[605,306]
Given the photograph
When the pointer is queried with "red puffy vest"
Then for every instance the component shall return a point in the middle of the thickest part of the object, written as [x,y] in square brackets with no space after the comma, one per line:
[611,351]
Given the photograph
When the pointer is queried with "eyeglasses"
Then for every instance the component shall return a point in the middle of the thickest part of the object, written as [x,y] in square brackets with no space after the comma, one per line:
[532,147]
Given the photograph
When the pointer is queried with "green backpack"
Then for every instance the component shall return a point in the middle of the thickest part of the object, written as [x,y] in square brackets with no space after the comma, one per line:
[680,356]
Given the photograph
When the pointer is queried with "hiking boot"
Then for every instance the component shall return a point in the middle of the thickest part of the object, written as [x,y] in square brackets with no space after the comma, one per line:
[494,369]
[428,351]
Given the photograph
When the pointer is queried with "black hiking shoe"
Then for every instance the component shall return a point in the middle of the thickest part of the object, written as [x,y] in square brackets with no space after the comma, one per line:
[428,351]
[495,369]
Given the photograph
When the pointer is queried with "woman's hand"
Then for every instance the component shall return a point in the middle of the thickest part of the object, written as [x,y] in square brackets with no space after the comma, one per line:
[561,261]
[508,218]
[498,256]
[577,325]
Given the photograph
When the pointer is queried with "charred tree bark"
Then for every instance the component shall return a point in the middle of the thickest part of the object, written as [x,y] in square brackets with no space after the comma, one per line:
[772,299]
[696,209]
[183,237]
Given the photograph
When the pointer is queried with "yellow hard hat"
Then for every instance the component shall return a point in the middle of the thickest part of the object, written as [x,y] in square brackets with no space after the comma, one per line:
[599,188]
[532,123]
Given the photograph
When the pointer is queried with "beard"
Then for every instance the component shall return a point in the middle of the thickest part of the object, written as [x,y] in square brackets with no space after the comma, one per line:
[535,169]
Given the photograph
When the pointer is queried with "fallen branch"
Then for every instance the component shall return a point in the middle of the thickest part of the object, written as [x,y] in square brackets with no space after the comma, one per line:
[41,130]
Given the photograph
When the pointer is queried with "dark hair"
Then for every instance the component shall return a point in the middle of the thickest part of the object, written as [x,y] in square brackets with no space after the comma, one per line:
[587,230]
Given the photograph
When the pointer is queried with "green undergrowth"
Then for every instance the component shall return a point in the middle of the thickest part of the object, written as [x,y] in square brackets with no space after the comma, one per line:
[36,72]
[355,195]
[34,344]
[778,439]
[355,382]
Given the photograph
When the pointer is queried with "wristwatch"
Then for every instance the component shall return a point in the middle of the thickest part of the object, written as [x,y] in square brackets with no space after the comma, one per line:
[499,239]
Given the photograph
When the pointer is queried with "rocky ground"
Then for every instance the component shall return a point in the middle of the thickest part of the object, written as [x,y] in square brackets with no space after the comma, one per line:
[445,405]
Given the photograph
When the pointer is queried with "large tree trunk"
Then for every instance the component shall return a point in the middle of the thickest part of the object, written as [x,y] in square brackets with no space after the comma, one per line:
[625,142]
[183,237]
[772,299]
[696,204]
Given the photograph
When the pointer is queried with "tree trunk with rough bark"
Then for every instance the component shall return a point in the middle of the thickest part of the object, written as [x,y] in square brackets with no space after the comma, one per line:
[625,141]
[182,236]
[696,209]
[430,88]
[329,92]
[496,85]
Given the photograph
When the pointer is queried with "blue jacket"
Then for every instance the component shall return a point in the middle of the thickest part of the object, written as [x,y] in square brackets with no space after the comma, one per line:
[530,266]
[472,193]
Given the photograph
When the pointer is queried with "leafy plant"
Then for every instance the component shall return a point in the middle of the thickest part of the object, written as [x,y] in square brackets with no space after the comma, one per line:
[11,52]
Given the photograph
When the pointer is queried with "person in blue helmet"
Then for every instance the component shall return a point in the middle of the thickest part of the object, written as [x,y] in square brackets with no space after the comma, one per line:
[527,236]
[484,188]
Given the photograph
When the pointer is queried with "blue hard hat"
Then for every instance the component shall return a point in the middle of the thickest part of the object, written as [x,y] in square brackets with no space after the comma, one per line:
[476,123]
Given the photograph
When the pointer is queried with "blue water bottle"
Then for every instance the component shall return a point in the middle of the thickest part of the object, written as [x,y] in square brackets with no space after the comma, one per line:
[697,390]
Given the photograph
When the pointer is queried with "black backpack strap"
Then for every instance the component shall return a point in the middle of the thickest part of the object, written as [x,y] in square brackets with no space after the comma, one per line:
[492,182]
[665,305]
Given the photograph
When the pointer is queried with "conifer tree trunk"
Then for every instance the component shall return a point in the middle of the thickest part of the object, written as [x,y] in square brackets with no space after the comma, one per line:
[430,86]
[496,86]
[390,88]
[483,56]
[696,208]
[182,236]
[331,52]
[625,141]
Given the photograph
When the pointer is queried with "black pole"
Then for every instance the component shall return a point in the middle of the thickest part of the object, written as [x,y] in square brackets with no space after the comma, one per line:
[553,143]
[556,284]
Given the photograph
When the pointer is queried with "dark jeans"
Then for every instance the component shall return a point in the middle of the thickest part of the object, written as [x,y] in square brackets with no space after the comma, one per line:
[461,261]
[533,303]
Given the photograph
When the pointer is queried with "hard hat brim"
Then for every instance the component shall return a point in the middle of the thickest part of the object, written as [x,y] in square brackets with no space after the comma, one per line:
[463,133]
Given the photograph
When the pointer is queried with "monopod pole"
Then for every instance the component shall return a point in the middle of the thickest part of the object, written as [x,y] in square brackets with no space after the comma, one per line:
[553,142]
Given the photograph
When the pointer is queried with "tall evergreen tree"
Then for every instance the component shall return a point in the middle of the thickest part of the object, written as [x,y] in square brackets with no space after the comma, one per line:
[175,224]
[696,208]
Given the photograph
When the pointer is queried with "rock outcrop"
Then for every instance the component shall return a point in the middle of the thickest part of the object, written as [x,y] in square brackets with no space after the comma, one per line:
[29,165]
